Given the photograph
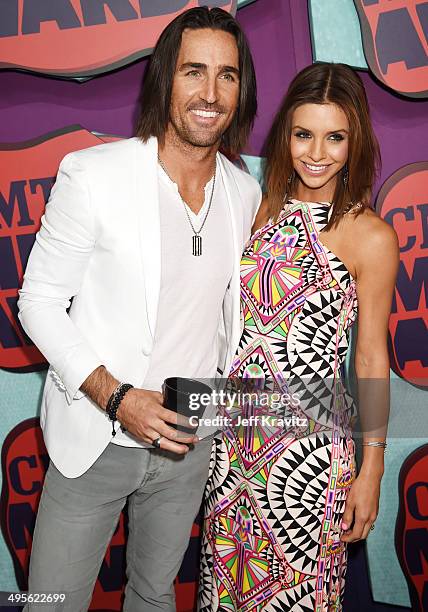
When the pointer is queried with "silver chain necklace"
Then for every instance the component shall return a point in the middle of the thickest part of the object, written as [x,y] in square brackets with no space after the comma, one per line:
[196,238]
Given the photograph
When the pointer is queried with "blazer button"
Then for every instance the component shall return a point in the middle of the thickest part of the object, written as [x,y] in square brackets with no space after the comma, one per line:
[146,350]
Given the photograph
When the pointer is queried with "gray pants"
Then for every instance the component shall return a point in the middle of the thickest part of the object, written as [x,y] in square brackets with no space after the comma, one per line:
[77,518]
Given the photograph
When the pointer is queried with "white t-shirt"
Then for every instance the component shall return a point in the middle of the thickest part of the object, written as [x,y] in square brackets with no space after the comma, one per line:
[191,291]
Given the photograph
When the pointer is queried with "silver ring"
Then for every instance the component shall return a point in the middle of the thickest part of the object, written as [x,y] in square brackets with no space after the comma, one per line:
[372,526]
[156,442]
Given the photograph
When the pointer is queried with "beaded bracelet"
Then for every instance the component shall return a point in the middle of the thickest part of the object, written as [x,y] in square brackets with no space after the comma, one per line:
[112,396]
[114,402]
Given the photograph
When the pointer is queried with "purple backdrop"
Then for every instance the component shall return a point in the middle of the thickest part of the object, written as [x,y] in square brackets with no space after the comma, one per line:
[278,31]
[279,37]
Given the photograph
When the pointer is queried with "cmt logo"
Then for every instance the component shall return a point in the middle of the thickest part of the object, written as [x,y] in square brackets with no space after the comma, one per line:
[28,173]
[411,532]
[24,462]
[395,40]
[402,202]
[89,36]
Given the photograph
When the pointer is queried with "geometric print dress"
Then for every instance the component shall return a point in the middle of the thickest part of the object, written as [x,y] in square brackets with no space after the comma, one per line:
[281,469]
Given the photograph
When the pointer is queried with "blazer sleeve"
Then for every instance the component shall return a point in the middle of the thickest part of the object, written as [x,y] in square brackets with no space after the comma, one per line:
[257,201]
[54,274]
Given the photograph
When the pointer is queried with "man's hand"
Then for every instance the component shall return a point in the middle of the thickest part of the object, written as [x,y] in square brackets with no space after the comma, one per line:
[141,412]
[143,415]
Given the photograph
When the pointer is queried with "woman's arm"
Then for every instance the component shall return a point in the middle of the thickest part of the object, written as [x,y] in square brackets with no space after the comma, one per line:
[376,264]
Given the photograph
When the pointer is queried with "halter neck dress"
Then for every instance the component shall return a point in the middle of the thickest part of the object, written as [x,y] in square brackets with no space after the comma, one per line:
[277,489]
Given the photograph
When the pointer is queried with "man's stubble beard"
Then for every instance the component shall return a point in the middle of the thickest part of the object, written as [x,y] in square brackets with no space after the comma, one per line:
[203,139]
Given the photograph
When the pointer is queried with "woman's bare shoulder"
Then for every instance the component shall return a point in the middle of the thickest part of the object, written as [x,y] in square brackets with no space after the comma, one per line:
[372,231]
[372,241]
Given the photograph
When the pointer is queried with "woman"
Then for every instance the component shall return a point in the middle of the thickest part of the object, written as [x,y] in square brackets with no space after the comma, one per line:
[283,499]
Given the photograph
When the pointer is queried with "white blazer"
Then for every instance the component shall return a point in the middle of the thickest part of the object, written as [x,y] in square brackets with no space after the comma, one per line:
[99,243]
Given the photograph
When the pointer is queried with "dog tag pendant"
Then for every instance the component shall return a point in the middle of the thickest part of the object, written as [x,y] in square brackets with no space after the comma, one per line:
[197,245]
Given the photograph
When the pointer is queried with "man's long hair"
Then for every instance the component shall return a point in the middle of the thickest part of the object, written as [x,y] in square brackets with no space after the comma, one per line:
[156,93]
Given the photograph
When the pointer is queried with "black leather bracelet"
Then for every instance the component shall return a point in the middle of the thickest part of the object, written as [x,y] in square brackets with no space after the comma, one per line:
[114,403]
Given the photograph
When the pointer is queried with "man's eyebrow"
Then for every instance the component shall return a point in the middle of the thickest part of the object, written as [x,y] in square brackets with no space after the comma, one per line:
[196,65]
[199,66]
[229,69]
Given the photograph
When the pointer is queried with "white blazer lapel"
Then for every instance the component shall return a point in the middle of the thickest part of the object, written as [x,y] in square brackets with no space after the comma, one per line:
[147,200]
[232,304]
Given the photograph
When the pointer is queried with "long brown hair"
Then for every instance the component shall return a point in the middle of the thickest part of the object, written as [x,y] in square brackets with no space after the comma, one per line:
[155,98]
[320,84]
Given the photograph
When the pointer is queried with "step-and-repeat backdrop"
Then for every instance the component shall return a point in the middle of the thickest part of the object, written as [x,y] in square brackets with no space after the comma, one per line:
[70,73]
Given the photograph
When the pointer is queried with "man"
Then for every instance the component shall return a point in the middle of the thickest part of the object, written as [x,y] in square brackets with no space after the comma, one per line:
[146,236]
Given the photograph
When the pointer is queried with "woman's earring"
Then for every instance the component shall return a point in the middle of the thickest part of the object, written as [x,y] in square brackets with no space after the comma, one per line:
[345,176]
[287,193]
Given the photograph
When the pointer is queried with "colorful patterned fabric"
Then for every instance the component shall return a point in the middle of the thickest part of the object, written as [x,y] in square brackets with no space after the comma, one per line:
[276,493]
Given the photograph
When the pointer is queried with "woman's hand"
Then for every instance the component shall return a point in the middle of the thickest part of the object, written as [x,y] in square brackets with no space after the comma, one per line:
[361,507]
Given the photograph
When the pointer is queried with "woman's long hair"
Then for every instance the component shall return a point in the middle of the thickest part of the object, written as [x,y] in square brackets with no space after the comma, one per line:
[320,84]
[156,93]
